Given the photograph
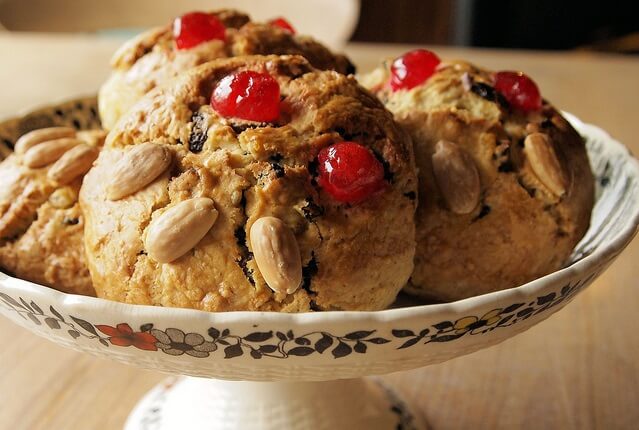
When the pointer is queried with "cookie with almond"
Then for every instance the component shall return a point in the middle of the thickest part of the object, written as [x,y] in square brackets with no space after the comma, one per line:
[41,226]
[288,189]
[505,186]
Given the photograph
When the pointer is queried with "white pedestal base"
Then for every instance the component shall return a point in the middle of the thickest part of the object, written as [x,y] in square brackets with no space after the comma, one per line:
[197,403]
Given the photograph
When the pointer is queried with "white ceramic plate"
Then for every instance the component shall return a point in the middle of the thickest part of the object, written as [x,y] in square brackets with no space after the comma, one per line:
[260,346]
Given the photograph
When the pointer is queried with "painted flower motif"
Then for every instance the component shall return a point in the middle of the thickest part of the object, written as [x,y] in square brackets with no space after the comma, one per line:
[471,323]
[175,342]
[123,335]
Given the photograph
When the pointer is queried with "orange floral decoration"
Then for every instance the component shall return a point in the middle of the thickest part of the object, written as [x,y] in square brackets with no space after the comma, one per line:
[123,335]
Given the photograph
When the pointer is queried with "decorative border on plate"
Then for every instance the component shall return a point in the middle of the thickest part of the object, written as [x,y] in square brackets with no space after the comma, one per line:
[284,344]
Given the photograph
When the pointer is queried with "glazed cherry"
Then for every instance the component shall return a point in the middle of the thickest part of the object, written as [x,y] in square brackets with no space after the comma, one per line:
[193,28]
[412,69]
[283,24]
[349,172]
[247,95]
[519,90]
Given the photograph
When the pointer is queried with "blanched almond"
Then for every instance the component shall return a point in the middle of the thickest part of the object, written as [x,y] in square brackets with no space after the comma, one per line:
[75,162]
[36,137]
[456,176]
[178,229]
[277,255]
[140,166]
[544,162]
[48,152]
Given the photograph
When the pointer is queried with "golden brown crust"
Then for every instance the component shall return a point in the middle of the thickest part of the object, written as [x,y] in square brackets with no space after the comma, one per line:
[151,58]
[521,229]
[51,251]
[41,226]
[353,257]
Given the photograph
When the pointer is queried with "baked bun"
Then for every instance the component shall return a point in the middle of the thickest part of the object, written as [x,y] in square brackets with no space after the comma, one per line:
[188,207]
[505,191]
[40,220]
[153,57]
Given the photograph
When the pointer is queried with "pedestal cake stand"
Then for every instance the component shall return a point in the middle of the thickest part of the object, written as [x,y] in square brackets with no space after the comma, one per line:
[245,370]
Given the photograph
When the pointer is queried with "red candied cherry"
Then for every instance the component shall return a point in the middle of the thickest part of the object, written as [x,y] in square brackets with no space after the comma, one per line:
[193,28]
[519,90]
[283,24]
[349,172]
[412,69]
[249,95]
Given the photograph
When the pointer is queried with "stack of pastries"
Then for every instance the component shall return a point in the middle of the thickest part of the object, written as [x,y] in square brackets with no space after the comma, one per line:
[245,168]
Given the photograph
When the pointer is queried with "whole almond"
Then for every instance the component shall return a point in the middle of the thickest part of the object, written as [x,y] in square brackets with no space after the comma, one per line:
[138,168]
[63,198]
[48,152]
[178,229]
[75,162]
[544,162]
[277,255]
[36,137]
[456,176]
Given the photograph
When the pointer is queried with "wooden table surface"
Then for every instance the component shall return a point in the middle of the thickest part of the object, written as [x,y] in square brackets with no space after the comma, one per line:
[577,370]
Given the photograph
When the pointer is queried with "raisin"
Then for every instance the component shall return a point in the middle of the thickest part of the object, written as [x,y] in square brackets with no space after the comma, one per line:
[242,127]
[8,143]
[245,254]
[350,68]
[313,170]
[274,161]
[484,91]
[198,135]
[411,195]
[506,167]
[312,210]
[388,173]
[485,210]
[308,272]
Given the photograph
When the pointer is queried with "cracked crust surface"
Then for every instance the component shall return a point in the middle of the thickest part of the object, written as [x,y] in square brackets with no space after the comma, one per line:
[40,240]
[151,58]
[354,258]
[520,230]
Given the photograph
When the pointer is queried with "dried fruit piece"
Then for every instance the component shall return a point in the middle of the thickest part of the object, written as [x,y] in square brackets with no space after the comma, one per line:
[92,137]
[283,24]
[247,95]
[63,198]
[193,28]
[519,90]
[277,255]
[179,229]
[412,69]
[349,172]
[456,176]
[36,137]
[46,153]
[544,162]
[138,168]
[75,162]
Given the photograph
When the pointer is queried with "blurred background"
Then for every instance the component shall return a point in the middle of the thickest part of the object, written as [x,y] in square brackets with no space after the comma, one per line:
[540,24]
